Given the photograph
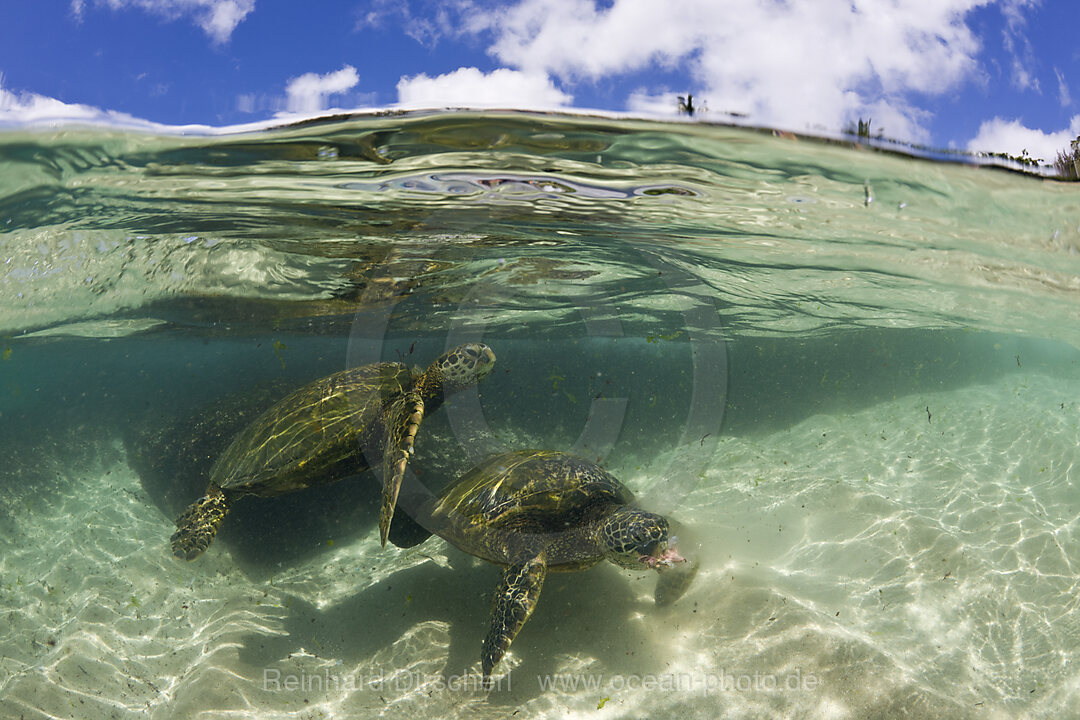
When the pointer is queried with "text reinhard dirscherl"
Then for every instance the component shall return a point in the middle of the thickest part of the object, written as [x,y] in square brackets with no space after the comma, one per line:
[720,681]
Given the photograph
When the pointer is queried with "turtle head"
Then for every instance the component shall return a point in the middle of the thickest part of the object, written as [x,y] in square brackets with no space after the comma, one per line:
[638,540]
[461,367]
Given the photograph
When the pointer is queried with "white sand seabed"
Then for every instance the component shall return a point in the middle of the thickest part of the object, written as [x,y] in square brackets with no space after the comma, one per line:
[871,565]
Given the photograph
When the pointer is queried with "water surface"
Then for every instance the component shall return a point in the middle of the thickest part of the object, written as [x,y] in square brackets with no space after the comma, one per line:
[850,375]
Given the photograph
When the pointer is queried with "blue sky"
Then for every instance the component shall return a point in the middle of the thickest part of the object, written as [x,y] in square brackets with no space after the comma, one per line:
[998,75]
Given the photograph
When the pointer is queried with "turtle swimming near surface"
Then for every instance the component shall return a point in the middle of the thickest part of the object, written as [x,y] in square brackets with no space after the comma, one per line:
[328,428]
[536,510]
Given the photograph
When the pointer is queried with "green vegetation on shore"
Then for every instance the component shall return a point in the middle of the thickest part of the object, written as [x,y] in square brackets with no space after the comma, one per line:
[1067,162]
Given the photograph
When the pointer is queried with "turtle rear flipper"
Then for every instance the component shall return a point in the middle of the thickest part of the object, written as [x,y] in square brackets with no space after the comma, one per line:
[402,421]
[515,600]
[405,532]
[197,526]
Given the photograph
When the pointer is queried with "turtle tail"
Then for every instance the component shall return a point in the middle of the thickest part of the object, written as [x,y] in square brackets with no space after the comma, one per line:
[197,526]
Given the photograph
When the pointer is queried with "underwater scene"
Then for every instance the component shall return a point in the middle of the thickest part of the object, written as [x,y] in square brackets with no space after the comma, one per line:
[488,415]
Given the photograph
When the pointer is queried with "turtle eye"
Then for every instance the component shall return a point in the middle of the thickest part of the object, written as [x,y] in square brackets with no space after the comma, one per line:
[472,352]
[649,547]
[646,535]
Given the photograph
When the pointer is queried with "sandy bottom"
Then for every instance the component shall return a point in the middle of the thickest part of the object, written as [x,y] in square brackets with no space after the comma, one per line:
[875,565]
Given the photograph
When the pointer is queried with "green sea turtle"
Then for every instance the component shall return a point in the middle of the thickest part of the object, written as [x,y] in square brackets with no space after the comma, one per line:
[532,511]
[331,427]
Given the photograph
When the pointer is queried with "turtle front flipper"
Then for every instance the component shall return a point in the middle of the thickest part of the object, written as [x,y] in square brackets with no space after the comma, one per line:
[402,422]
[515,600]
[197,526]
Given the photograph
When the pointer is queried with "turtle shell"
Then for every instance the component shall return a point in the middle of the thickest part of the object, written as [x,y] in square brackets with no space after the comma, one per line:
[314,434]
[523,494]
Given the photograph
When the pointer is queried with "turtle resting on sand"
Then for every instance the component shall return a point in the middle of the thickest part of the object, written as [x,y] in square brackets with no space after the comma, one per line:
[339,424]
[535,510]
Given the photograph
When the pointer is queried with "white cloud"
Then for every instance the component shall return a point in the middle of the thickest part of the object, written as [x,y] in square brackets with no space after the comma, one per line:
[1013,137]
[437,20]
[1023,58]
[652,103]
[222,17]
[26,109]
[245,103]
[217,18]
[30,109]
[795,65]
[469,87]
[1063,89]
[310,92]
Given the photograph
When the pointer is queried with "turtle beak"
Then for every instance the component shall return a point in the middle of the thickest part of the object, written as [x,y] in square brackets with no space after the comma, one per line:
[484,364]
[663,556]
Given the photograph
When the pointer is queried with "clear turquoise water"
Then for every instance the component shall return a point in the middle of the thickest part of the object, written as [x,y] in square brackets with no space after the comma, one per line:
[851,375]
